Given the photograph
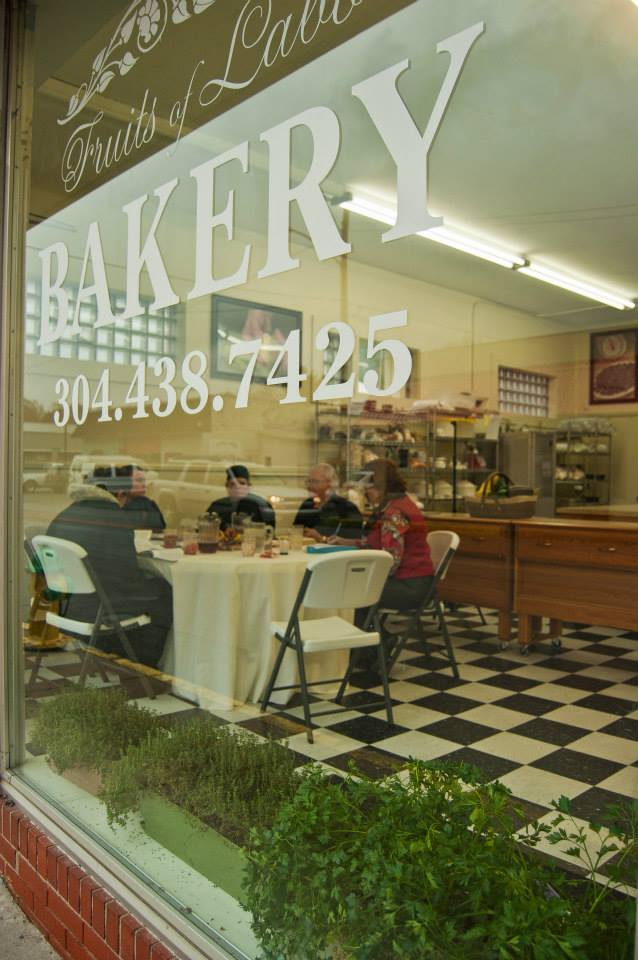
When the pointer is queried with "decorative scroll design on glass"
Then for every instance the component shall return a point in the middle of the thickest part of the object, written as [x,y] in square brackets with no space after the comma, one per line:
[139,30]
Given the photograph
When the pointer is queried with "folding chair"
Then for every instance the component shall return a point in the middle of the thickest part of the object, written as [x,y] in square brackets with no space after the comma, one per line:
[443,545]
[347,580]
[68,571]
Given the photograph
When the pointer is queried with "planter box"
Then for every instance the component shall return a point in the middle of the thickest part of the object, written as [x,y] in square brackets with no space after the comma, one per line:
[89,780]
[201,847]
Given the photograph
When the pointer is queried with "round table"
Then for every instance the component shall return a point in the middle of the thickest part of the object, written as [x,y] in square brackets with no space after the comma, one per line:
[221,649]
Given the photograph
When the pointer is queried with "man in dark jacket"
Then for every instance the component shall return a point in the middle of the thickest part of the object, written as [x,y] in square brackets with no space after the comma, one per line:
[325,513]
[240,499]
[95,521]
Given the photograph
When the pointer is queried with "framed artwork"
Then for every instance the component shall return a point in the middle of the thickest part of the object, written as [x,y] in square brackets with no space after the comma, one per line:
[613,367]
[237,320]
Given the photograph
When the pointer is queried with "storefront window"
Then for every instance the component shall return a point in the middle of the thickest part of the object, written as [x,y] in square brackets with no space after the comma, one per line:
[242,345]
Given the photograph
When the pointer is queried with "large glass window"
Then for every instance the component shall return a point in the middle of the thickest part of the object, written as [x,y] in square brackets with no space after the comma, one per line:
[250,337]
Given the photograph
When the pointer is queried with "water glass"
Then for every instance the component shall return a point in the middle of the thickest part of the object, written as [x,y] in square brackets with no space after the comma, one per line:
[296,538]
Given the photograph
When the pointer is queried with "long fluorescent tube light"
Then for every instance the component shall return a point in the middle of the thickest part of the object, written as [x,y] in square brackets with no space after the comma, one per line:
[478,247]
[445,235]
[576,285]
[473,245]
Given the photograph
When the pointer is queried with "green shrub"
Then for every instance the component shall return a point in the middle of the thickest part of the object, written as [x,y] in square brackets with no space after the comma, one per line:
[427,867]
[226,778]
[89,727]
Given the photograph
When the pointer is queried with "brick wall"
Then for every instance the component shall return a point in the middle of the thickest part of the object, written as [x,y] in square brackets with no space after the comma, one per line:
[78,916]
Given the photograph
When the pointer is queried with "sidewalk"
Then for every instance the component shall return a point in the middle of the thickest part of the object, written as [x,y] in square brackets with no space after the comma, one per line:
[20,939]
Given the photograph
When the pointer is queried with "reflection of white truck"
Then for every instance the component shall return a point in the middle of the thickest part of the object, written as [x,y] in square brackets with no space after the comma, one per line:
[82,466]
[185,488]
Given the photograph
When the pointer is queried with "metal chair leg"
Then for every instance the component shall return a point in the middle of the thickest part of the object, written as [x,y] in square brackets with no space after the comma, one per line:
[446,640]
[481,615]
[34,671]
[384,680]
[304,690]
[265,700]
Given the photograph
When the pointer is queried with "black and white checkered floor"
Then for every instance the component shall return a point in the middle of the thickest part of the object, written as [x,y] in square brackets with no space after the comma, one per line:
[548,724]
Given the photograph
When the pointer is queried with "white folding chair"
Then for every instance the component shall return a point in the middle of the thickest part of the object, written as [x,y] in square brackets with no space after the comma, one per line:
[68,571]
[443,545]
[347,580]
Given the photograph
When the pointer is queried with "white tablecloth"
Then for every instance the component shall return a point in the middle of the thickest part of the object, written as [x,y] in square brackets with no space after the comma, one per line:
[221,649]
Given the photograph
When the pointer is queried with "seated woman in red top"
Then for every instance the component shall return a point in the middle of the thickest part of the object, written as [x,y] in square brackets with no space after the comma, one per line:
[398,527]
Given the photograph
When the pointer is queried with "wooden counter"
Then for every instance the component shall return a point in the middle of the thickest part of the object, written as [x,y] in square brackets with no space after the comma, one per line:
[580,570]
[482,570]
[620,512]
[565,569]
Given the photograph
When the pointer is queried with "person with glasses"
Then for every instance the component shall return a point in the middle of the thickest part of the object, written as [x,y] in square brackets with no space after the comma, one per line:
[324,513]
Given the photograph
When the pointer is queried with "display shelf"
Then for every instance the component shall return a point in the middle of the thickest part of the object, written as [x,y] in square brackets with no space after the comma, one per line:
[424,443]
[593,457]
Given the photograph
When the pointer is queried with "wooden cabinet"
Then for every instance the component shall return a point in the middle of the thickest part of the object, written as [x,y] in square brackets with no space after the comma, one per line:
[582,571]
[481,572]
[567,570]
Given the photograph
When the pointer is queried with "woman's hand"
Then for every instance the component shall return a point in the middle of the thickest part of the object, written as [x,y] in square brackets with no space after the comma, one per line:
[342,542]
[312,534]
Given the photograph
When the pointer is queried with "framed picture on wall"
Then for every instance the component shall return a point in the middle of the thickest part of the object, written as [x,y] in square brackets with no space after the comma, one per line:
[613,367]
[236,320]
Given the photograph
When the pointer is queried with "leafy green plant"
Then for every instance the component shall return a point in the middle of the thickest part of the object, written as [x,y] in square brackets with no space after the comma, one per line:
[225,778]
[423,868]
[89,727]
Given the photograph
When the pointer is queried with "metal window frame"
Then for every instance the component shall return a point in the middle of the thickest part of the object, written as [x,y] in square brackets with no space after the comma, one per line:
[133,889]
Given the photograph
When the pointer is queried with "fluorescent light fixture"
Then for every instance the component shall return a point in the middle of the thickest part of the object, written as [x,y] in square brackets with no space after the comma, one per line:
[368,208]
[477,247]
[575,285]
[467,243]
[446,235]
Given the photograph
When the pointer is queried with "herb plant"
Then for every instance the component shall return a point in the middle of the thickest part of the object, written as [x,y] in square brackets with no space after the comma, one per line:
[89,727]
[431,867]
[225,778]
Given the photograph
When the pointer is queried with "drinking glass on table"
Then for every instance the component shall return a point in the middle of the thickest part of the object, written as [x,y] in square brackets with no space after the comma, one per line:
[170,538]
[296,538]
[249,541]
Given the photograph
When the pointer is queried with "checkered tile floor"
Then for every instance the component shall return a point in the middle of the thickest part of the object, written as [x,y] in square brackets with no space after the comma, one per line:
[547,724]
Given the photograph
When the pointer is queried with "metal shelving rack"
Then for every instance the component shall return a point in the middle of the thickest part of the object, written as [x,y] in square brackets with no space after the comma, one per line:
[591,453]
[339,430]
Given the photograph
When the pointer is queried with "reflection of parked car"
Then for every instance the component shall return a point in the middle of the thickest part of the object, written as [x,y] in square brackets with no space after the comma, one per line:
[56,477]
[185,488]
[33,480]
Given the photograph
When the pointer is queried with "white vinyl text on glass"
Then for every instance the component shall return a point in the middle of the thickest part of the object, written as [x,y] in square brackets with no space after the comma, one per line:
[76,400]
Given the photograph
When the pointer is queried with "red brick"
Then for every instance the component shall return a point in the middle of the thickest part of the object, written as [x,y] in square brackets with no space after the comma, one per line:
[6,821]
[32,879]
[7,852]
[96,946]
[42,846]
[15,818]
[100,900]
[23,836]
[128,928]
[160,952]
[71,920]
[87,886]
[60,948]
[47,922]
[32,846]
[53,853]
[76,875]
[143,943]
[62,884]
[19,888]
[75,948]
[114,915]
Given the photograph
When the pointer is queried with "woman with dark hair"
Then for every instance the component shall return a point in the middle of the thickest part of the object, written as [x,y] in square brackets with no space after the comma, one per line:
[397,525]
